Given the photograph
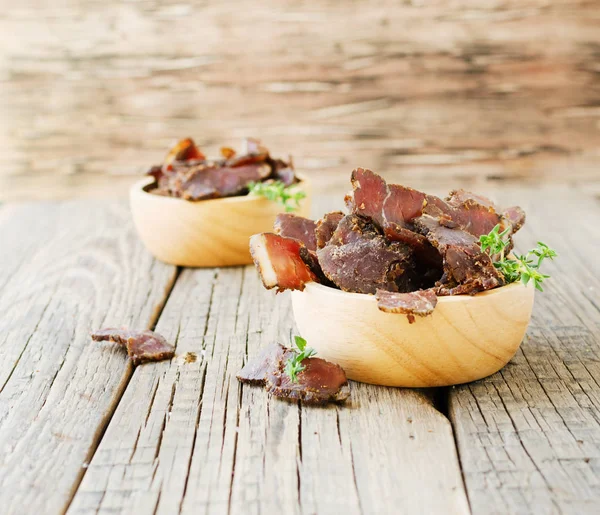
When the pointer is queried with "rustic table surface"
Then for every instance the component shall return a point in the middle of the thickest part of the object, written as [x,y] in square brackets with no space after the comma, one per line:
[82,431]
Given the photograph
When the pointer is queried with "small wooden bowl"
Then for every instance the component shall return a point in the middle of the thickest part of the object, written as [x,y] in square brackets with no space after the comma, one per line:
[206,233]
[464,339]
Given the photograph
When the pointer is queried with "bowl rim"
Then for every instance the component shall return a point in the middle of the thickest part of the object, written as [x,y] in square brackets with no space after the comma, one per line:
[446,299]
[138,189]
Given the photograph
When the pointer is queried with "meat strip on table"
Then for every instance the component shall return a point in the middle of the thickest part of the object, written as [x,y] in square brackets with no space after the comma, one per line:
[357,258]
[281,262]
[319,383]
[420,303]
[298,228]
[142,346]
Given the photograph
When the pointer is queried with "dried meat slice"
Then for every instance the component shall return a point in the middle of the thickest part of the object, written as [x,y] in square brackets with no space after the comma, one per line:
[142,346]
[298,228]
[319,383]
[279,262]
[255,370]
[187,174]
[370,192]
[204,182]
[359,259]
[420,303]
[394,205]
[284,171]
[403,205]
[326,227]
[184,150]
[145,346]
[111,334]
[466,268]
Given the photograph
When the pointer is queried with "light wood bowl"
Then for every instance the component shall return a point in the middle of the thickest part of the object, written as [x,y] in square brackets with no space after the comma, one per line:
[464,339]
[206,233]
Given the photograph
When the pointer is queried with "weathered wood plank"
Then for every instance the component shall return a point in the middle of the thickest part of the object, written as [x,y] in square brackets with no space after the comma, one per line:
[57,389]
[90,92]
[188,437]
[529,436]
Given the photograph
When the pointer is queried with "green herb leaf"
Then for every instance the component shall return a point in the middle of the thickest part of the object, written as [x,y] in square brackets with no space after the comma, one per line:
[523,268]
[277,191]
[293,366]
[300,342]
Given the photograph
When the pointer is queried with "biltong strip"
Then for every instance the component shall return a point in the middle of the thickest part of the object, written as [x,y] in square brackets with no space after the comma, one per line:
[420,303]
[319,383]
[142,346]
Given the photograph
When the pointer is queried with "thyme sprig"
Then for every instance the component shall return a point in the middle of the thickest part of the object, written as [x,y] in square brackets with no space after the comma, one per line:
[277,191]
[293,366]
[523,267]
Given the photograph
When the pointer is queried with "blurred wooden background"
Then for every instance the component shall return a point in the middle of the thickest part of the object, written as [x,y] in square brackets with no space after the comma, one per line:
[427,92]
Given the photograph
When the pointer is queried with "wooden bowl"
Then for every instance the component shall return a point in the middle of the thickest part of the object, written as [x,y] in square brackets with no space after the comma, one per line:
[464,339]
[206,233]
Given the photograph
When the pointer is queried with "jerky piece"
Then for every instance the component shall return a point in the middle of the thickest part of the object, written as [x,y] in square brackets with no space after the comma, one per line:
[148,346]
[458,197]
[279,262]
[228,152]
[370,192]
[255,370]
[212,182]
[297,227]
[403,205]
[400,205]
[110,334]
[326,227]
[515,216]
[422,249]
[466,268]
[184,150]
[320,381]
[359,259]
[187,174]
[420,303]
[283,171]
[142,346]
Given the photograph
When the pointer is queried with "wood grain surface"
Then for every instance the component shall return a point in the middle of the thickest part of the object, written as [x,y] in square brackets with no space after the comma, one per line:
[187,436]
[81,432]
[528,436]
[93,93]
[74,267]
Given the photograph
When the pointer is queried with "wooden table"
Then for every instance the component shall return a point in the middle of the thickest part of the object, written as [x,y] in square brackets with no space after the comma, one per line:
[81,431]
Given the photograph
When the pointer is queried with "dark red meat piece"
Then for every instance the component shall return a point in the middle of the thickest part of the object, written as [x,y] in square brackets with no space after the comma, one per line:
[142,346]
[297,227]
[280,263]
[184,150]
[284,171]
[326,227]
[466,268]
[359,259]
[319,383]
[211,181]
[420,303]
[400,205]
[187,174]
[370,192]
[255,370]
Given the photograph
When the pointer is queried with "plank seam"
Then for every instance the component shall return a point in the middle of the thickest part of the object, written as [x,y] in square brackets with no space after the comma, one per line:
[120,391]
